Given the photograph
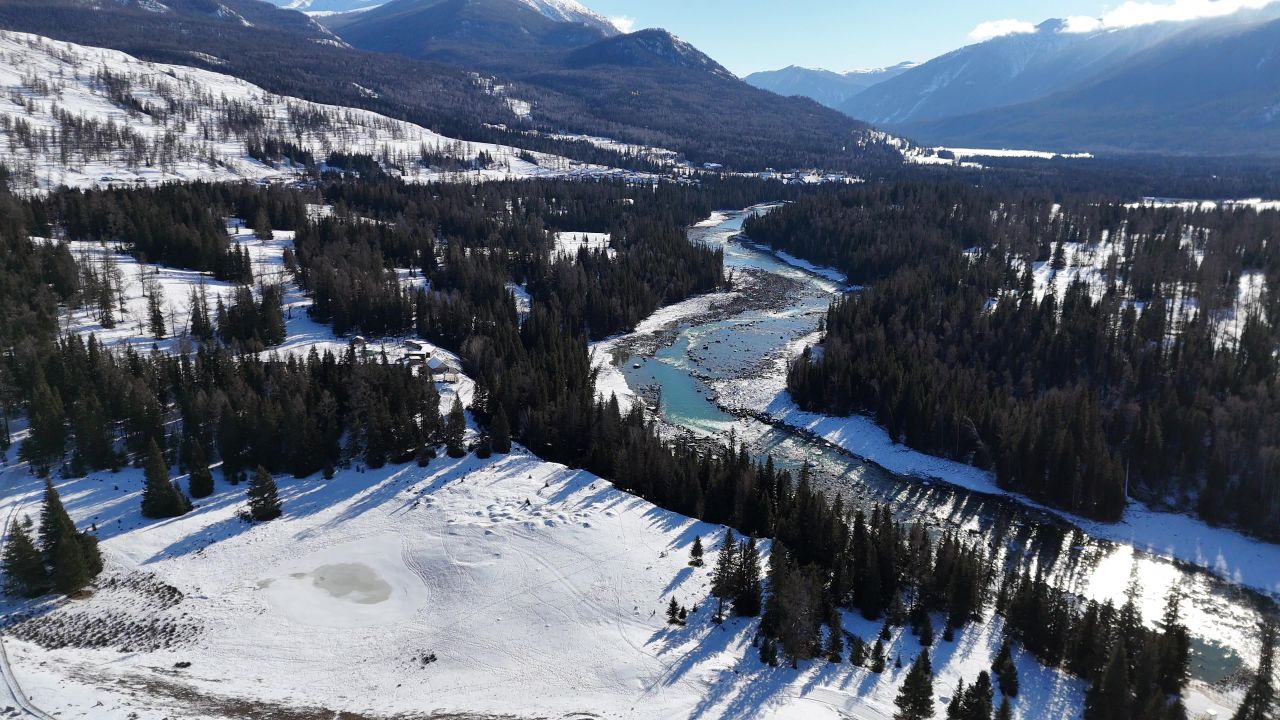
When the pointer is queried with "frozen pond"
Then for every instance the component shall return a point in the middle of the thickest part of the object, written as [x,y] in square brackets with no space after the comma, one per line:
[356,582]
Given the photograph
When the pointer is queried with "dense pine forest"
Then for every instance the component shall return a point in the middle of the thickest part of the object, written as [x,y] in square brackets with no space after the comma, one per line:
[1147,374]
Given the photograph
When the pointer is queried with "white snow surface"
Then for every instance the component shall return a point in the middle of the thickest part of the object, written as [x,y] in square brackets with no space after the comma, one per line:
[41,78]
[539,589]
[568,243]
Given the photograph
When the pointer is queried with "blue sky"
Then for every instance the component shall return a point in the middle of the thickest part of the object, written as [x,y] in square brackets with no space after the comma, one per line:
[750,35]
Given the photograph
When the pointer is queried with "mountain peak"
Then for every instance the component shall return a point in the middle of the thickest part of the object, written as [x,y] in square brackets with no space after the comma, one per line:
[571,11]
[647,48]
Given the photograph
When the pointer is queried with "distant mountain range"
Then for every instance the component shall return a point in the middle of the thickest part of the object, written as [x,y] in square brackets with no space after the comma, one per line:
[832,89]
[545,75]
[1202,87]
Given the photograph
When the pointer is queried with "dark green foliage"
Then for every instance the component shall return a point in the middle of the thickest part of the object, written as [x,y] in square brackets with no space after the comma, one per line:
[455,429]
[161,497]
[1006,671]
[915,698]
[72,557]
[264,500]
[673,613]
[500,430]
[1111,697]
[24,570]
[725,573]
[695,552]
[201,482]
[47,440]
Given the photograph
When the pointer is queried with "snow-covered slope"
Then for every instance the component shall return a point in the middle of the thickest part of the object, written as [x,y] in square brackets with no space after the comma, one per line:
[81,116]
[572,12]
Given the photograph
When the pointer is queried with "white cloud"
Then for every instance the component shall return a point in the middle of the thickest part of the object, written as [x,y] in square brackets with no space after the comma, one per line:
[624,23]
[1131,13]
[999,28]
[1081,24]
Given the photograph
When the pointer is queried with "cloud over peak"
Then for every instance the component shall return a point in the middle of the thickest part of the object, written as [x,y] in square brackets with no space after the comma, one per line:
[1131,13]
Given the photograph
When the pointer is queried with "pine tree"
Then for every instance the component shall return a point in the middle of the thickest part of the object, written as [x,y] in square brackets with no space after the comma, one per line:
[835,640]
[695,552]
[1260,699]
[747,586]
[722,578]
[155,312]
[455,430]
[1006,671]
[978,699]
[161,497]
[47,439]
[264,501]
[1110,697]
[877,657]
[857,651]
[955,708]
[262,226]
[54,520]
[500,429]
[769,652]
[201,481]
[915,698]
[673,612]
[1005,711]
[24,570]
[70,571]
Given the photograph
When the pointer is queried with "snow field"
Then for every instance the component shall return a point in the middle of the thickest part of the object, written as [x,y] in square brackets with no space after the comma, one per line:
[538,588]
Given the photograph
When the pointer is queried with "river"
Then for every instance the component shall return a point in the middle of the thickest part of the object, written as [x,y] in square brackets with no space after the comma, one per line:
[693,364]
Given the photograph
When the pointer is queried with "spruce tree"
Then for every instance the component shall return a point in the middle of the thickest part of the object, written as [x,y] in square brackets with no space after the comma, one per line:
[47,439]
[915,698]
[70,571]
[1005,711]
[500,430]
[978,699]
[201,481]
[747,586]
[877,657]
[262,225]
[722,578]
[264,501]
[24,570]
[835,640]
[1110,697]
[857,651]
[1006,671]
[455,430]
[695,552]
[160,496]
[1260,699]
[673,612]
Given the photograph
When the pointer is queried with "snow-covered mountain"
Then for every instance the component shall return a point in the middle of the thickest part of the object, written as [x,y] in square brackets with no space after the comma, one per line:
[963,97]
[506,35]
[569,11]
[829,88]
[84,116]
